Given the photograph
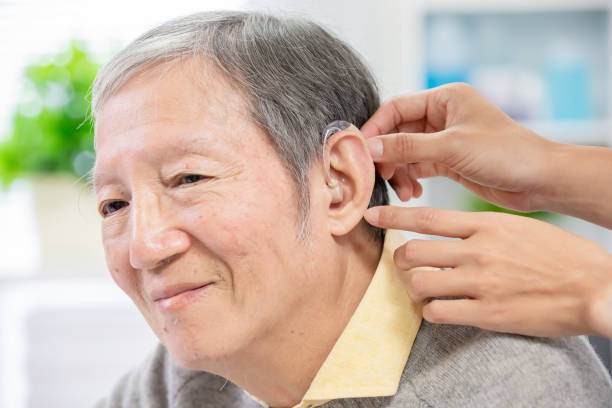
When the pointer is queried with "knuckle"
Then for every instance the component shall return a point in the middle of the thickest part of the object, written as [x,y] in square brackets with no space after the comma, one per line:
[492,287]
[417,284]
[499,217]
[426,217]
[404,254]
[482,287]
[497,315]
[393,102]
[411,249]
[461,88]
[454,138]
[505,218]
[492,223]
[452,147]
[433,312]
[481,258]
[398,255]
[499,224]
[385,216]
[392,107]
[450,136]
[404,144]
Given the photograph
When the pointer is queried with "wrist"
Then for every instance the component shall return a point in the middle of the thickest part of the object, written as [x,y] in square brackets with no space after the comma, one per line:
[553,185]
[575,182]
[597,293]
[599,319]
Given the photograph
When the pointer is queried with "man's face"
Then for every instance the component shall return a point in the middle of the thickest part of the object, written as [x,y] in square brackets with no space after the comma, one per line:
[193,194]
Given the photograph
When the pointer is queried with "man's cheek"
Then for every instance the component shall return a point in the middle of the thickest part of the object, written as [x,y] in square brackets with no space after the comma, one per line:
[226,228]
[123,281]
[118,263]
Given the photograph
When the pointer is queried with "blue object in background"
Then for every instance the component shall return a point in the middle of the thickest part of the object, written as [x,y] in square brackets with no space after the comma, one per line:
[448,52]
[568,90]
[551,66]
[437,78]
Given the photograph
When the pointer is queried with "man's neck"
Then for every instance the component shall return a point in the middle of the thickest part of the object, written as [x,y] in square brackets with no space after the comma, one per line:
[281,368]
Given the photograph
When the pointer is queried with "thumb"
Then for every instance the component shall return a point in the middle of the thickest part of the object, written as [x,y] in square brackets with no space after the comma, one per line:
[409,147]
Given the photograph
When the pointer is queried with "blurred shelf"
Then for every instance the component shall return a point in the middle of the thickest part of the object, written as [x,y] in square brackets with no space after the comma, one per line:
[544,62]
[596,132]
[518,6]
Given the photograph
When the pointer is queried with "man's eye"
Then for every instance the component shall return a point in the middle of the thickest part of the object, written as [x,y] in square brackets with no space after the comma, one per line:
[112,206]
[190,178]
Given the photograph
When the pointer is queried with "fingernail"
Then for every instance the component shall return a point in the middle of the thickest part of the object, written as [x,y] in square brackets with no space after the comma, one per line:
[372,215]
[376,147]
[386,173]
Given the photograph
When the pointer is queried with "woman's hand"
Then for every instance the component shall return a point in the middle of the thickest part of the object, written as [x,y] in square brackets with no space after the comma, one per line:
[517,274]
[453,131]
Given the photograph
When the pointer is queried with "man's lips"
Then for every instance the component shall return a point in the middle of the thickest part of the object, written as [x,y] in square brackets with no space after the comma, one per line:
[169,291]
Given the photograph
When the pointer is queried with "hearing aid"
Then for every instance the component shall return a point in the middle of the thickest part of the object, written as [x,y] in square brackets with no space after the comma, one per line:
[336,190]
[332,183]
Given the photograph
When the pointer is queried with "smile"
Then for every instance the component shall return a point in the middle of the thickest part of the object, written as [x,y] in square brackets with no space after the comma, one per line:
[176,297]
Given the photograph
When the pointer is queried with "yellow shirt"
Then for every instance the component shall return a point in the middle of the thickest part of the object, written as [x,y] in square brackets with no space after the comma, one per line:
[369,357]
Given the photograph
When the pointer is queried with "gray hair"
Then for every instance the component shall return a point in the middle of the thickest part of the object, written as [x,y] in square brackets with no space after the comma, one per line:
[295,75]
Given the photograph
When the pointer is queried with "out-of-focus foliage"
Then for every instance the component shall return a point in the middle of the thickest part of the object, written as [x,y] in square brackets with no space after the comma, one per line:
[475,203]
[49,131]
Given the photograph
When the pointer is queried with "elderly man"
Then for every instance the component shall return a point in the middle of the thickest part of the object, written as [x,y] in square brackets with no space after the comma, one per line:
[239,235]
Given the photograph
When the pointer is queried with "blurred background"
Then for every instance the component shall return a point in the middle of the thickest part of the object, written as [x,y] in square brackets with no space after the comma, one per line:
[67,333]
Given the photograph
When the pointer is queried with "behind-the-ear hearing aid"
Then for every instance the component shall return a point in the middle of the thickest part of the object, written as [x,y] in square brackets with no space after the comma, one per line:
[332,183]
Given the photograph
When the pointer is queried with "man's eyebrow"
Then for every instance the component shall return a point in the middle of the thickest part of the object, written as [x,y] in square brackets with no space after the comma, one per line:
[196,144]
[98,179]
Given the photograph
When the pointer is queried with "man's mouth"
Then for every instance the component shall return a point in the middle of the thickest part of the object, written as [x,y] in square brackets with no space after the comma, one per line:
[179,295]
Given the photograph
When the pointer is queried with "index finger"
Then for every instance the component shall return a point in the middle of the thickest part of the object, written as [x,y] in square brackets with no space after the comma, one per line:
[425,220]
[391,114]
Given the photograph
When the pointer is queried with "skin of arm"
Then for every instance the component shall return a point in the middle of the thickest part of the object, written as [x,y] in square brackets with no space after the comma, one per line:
[579,183]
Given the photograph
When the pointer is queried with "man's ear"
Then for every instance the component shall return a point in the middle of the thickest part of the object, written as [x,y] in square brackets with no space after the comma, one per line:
[349,175]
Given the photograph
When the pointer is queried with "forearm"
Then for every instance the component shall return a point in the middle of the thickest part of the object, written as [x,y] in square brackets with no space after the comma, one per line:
[579,183]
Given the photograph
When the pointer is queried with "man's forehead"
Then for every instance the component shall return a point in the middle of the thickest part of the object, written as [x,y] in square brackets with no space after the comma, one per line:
[160,145]
[175,90]
[168,99]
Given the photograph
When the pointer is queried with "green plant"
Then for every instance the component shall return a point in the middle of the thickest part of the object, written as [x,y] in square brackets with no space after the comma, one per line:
[475,203]
[50,132]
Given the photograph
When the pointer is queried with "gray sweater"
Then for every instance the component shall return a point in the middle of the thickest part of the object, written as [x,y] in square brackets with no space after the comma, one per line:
[449,366]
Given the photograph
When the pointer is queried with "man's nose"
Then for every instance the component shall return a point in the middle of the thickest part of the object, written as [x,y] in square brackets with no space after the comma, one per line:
[155,238]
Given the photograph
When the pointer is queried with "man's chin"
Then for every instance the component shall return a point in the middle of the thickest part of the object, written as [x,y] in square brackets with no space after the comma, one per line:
[188,362]
[203,355]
